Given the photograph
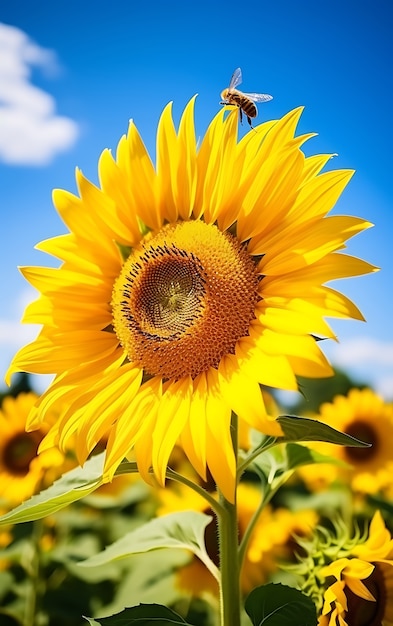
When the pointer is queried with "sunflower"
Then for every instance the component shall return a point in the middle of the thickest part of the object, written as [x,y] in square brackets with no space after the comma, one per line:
[22,471]
[184,287]
[366,416]
[362,591]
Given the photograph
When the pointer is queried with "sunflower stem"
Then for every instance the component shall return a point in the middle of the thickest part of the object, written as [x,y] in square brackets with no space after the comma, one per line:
[216,506]
[228,544]
[270,490]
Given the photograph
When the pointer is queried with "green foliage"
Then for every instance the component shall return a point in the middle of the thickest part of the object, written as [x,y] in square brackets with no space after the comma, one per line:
[183,529]
[305,429]
[298,456]
[143,615]
[71,487]
[291,455]
[81,482]
[86,570]
[65,591]
[278,605]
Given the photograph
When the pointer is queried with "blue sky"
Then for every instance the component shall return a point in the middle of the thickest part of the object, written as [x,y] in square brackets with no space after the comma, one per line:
[73,73]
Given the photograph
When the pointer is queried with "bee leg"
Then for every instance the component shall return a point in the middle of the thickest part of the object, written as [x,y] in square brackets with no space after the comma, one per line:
[240,116]
[249,121]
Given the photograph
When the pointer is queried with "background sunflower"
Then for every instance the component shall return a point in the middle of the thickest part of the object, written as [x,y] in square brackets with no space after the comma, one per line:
[364,415]
[22,471]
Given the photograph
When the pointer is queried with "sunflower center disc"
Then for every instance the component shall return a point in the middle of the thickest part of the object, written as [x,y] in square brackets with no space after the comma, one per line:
[19,452]
[365,432]
[183,299]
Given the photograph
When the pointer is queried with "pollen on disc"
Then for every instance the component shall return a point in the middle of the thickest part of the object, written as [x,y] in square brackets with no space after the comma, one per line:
[183,300]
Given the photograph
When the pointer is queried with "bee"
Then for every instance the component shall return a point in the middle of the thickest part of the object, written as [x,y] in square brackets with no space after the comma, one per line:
[244,101]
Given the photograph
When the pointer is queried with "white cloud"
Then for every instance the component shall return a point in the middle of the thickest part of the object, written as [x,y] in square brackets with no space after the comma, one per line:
[31,132]
[363,350]
[368,359]
[385,387]
[15,335]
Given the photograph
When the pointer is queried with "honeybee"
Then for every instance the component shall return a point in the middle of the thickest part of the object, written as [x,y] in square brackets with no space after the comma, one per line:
[244,101]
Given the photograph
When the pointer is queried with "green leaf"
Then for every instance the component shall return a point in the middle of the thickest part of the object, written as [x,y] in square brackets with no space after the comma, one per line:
[278,605]
[298,455]
[305,429]
[143,615]
[183,529]
[71,487]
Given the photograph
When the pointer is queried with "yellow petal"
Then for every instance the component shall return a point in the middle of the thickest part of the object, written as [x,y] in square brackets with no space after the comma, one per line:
[186,180]
[243,395]
[272,370]
[167,160]
[220,453]
[359,588]
[134,160]
[133,429]
[308,243]
[269,193]
[172,414]
[193,437]
[314,164]
[97,416]
[319,195]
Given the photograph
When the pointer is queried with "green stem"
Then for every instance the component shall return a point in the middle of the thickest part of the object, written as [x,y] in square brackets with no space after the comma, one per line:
[214,504]
[270,490]
[132,468]
[229,565]
[268,443]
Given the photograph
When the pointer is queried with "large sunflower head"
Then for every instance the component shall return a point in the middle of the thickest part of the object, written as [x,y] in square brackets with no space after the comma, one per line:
[22,470]
[366,416]
[183,287]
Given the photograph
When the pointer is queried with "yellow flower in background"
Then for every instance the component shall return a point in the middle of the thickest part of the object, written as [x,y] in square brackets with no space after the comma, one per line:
[362,591]
[184,287]
[364,415]
[22,471]
[273,543]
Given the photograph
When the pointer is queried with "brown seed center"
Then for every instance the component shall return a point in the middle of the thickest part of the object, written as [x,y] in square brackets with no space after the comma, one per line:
[184,298]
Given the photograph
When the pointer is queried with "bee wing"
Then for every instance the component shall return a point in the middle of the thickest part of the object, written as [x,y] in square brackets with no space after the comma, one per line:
[259,97]
[236,79]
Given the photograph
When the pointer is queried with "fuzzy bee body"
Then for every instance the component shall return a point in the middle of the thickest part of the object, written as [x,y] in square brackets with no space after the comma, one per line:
[244,101]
